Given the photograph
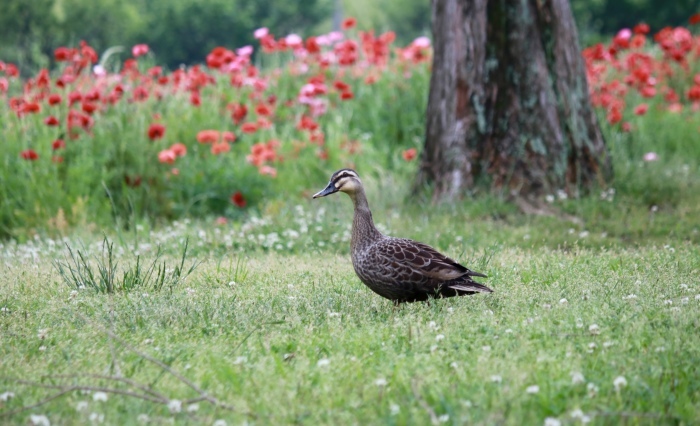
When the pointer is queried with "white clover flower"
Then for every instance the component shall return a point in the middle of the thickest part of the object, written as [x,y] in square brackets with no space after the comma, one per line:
[619,383]
[697,297]
[220,422]
[240,360]
[39,420]
[444,418]
[334,314]
[143,418]
[608,344]
[99,396]
[97,417]
[323,362]
[685,300]
[81,406]
[439,337]
[592,389]
[496,378]
[73,294]
[563,301]
[576,414]
[433,325]
[594,329]
[380,382]
[42,333]
[661,349]
[433,348]
[6,396]
[193,408]
[547,306]
[579,323]
[394,409]
[630,296]
[486,348]
[508,331]
[42,348]
[454,365]
[552,421]
[668,302]
[532,389]
[577,378]
[684,286]
[592,346]
[175,406]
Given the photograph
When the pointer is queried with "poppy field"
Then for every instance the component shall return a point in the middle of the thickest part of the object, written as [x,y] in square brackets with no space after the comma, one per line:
[97,140]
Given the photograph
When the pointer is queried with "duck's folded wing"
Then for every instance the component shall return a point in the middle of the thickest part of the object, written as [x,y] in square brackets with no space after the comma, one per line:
[419,260]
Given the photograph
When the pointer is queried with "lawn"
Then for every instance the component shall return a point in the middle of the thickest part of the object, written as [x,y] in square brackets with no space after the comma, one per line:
[601,332]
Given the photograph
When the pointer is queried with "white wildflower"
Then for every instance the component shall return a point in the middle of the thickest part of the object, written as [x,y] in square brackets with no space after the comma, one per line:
[6,396]
[380,382]
[594,329]
[190,291]
[394,409]
[433,325]
[668,302]
[697,297]
[42,348]
[509,331]
[143,418]
[552,421]
[454,365]
[467,403]
[608,344]
[532,389]
[619,383]
[577,378]
[563,301]
[192,408]
[592,389]
[42,333]
[579,323]
[661,349]
[323,362]
[583,234]
[444,418]
[39,420]
[97,417]
[547,306]
[630,296]
[333,314]
[240,360]
[592,346]
[496,378]
[486,348]
[99,396]
[81,406]
[439,337]
[175,406]
[433,348]
[685,300]
[684,287]
[73,294]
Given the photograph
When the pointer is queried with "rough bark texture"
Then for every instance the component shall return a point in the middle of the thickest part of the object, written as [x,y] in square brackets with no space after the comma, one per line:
[509,101]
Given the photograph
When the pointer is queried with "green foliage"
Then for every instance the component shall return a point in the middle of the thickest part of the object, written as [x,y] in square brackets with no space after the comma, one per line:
[301,339]
[78,272]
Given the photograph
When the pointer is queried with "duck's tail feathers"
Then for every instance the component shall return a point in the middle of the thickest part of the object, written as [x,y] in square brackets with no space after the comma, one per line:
[471,287]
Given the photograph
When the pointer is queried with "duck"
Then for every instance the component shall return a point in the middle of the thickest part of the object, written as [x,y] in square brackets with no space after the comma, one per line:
[398,269]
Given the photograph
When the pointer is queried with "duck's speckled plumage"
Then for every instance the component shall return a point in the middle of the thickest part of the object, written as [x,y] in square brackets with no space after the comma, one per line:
[398,269]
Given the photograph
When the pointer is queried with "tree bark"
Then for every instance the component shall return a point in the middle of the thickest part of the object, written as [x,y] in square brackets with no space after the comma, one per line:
[508,104]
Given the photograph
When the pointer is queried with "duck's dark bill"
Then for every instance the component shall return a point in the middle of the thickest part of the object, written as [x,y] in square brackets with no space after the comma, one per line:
[330,189]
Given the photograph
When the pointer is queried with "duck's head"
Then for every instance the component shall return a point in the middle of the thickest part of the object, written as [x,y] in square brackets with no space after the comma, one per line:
[344,180]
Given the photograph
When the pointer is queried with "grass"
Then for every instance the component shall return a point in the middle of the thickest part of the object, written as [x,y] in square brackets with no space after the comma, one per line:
[291,336]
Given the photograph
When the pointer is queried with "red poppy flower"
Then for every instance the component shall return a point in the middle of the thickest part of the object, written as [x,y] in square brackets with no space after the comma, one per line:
[57,159]
[139,50]
[694,19]
[409,154]
[208,136]
[228,136]
[238,199]
[349,23]
[89,107]
[195,98]
[347,95]
[220,148]
[641,28]
[4,85]
[156,131]
[180,149]
[167,156]
[641,109]
[263,109]
[29,154]
[51,121]
[238,113]
[54,99]
[58,144]
[249,127]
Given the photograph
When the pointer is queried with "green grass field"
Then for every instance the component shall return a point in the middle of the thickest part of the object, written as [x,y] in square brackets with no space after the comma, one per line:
[274,323]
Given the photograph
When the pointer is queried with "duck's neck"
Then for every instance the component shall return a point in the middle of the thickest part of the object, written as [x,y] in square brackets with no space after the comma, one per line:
[363,229]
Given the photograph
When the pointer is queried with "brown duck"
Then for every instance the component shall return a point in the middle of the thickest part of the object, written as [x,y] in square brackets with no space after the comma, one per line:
[398,269]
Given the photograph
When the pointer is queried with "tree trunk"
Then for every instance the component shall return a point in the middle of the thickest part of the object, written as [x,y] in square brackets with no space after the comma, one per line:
[508,102]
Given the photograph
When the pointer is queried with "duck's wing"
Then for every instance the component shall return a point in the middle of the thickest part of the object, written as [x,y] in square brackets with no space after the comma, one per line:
[417,261]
